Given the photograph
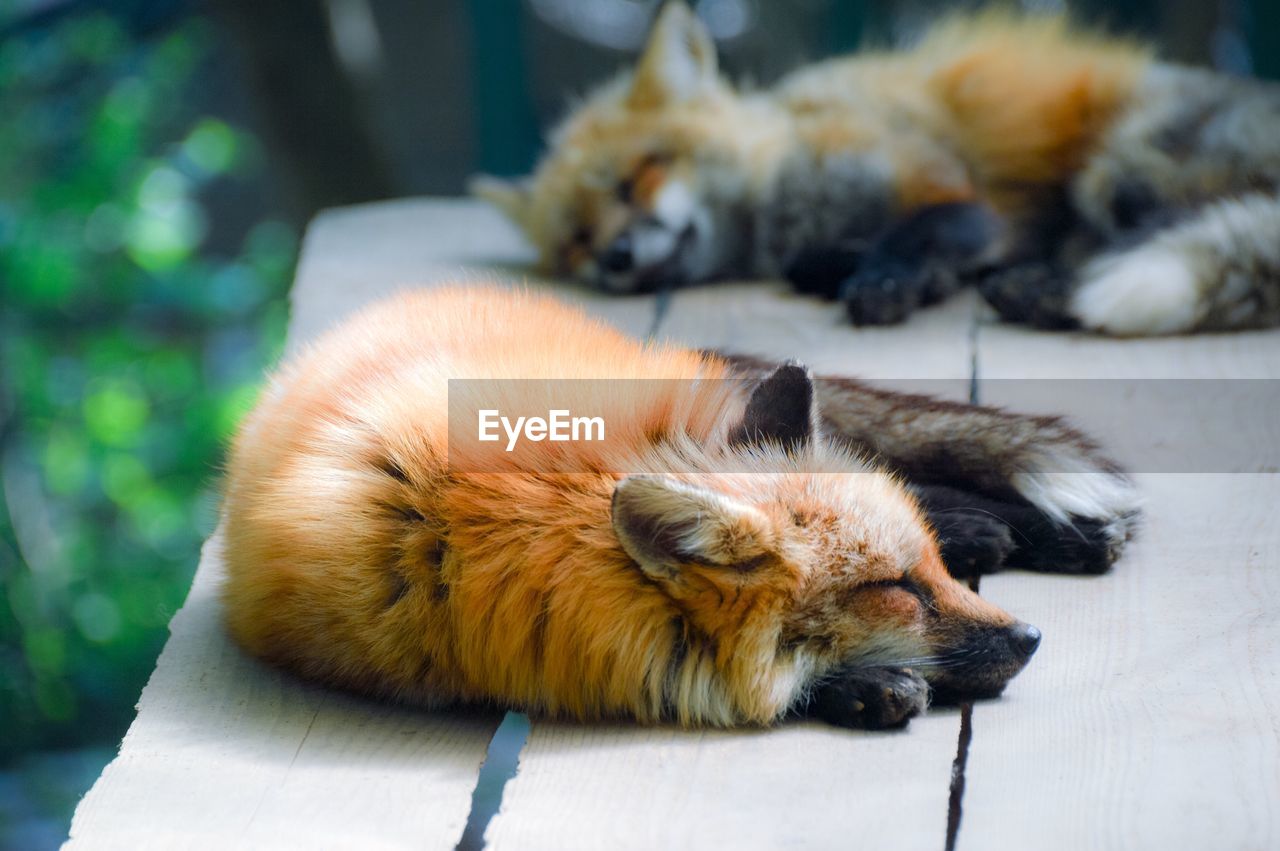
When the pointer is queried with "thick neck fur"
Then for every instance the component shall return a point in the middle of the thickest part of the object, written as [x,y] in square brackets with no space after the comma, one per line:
[713,655]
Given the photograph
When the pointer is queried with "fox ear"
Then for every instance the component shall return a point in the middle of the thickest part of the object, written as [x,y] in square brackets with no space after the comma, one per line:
[509,196]
[666,525]
[678,63]
[782,410]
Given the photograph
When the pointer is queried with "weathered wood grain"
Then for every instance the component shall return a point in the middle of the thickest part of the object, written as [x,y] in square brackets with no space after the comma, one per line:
[1151,715]
[354,255]
[797,786]
[768,319]
[227,753]
[801,785]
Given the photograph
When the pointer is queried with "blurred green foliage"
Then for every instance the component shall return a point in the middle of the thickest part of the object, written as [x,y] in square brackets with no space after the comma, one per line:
[128,350]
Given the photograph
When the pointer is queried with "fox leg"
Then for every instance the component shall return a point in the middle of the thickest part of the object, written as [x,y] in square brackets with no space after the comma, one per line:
[1032,282]
[1217,269]
[978,535]
[1034,293]
[869,698]
[972,541]
[1040,463]
[919,260]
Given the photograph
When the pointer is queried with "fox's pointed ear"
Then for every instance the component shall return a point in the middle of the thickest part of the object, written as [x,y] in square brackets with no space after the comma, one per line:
[667,525]
[678,63]
[509,196]
[782,410]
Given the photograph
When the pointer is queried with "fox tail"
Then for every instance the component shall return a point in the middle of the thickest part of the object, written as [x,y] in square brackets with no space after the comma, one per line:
[1218,270]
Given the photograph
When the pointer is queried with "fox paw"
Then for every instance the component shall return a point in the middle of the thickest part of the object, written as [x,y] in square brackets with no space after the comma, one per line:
[1095,512]
[883,295]
[871,698]
[1083,545]
[979,534]
[1032,294]
[972,544]
[822,271]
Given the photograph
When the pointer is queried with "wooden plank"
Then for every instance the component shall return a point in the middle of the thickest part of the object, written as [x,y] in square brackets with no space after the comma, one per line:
[226,753]
[355,255]
[803,784]
[768,319]
[1149,716]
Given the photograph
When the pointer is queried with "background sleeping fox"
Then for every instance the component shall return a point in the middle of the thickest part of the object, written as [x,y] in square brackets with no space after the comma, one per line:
[1077,180]
[731,556]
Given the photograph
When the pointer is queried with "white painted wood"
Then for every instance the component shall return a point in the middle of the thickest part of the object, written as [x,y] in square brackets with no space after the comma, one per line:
[355,255]
[797,786]
[1149,717]
[800,785]
[1011,352]
[227,753]
[768,319]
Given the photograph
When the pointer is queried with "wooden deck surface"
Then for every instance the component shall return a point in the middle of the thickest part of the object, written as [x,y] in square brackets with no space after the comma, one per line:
[1149,718]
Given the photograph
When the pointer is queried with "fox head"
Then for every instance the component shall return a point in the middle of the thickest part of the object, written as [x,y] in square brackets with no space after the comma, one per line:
[646,182]
[805,562]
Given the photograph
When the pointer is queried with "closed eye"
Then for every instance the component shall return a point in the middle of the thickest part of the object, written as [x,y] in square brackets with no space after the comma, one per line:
[902,582]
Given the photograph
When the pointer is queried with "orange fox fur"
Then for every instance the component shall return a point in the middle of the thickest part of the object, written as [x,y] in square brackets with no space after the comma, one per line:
[357,556]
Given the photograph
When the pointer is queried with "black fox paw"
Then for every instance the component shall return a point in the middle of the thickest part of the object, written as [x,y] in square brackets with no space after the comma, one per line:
[885,291]
[1085,545]
[822,271]
[871,698]
[1034,294]
[880,299]
[972,544]
[977,534]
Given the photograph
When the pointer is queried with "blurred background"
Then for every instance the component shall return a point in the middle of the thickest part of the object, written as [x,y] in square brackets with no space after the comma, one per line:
[159,160]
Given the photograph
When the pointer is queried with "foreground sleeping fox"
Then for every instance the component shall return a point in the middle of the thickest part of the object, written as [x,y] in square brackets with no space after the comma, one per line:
[728,557]
[1078,180]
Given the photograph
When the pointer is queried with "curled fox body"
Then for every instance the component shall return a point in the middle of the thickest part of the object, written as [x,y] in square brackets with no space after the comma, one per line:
[1077,180]
[634,578]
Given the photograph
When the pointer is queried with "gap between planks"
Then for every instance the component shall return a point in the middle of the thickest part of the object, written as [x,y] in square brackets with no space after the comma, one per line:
[1148,717]
[502,756]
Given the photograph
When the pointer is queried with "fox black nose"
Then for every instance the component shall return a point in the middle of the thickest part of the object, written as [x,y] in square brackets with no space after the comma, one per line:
[618,256]
[1025,638]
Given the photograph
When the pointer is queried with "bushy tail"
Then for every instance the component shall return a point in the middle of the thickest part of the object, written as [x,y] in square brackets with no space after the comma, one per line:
[1217,271]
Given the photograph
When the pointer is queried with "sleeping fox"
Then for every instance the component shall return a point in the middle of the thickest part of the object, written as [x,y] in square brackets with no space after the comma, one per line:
[751,542]
[1078,181]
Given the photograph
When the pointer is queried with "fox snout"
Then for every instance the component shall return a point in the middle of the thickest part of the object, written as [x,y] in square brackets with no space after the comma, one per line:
[1024,638]
[646,255]
[979,662]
